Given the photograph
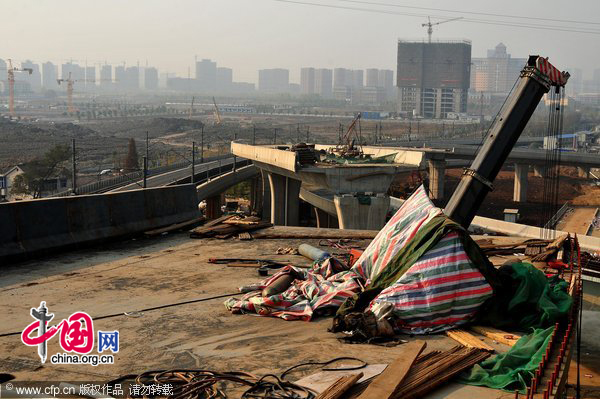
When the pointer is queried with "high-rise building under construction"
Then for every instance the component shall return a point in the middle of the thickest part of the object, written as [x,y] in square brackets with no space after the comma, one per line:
[433,77]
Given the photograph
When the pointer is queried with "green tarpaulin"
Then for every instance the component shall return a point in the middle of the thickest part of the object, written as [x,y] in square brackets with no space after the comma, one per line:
[514,369]
[528,299]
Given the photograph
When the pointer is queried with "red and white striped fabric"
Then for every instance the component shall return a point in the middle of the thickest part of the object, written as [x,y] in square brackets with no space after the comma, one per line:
[553,73]
[406,222]
[442,290]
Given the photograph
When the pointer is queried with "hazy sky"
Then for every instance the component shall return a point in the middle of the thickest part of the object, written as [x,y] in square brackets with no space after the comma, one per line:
[247,35]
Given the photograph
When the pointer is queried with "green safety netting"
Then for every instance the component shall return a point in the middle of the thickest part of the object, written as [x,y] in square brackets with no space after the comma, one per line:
[530,301]
[514,369]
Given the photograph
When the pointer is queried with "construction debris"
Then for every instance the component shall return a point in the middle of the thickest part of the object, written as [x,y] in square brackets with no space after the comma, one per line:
[497,335]
[277,232]
[551,249]
[228,226]
[391,379]
[340,387]
[431,370]
[286,251]
[320,381]
[245,236]
[468,340]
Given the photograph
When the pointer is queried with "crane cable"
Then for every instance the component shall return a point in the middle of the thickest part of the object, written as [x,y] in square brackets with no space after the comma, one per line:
[552,163]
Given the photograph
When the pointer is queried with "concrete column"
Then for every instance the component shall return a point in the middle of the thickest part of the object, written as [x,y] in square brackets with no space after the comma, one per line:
[256,195]
[213,207]
[265,212]
[285,200]
[520,191]
[539,171]
[322,218]
[583,172]
[437,177]
[354,215]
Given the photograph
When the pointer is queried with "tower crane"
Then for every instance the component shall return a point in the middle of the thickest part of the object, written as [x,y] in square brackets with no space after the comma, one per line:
[217,113]
[70,82]
[191,108]
[430,25]
[11,85]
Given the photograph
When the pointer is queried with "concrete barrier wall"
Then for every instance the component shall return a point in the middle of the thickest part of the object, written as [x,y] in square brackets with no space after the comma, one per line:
[28,227]
[269,155]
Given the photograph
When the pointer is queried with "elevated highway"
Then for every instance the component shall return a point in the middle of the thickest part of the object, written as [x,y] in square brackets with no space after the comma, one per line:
[202,172]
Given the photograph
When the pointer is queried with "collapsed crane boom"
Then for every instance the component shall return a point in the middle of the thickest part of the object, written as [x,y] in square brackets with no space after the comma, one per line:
[535,80]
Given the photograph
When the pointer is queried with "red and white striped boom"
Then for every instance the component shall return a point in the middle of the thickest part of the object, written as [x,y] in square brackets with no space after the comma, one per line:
[557,77]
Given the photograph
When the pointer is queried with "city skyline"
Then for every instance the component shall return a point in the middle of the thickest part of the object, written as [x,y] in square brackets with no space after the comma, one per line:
[284,35]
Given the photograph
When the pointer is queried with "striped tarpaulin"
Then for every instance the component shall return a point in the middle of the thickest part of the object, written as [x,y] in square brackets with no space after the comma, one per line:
[414,213]
[441,290]
[317,290]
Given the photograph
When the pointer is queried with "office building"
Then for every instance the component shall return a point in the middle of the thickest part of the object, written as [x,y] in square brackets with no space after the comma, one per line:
[49,76]
[386,80]
[275,80]
[324,83]
[73,71]
[106,78]
[357,78]
[150,78]
[342,77]
[575,85]
[497,72]
[90,78]
[34,78]
[373,77]
[206,75]
[433,78]
[133,78]
[224,79]
[379,87]
[3,70]
[346,84]
[307,81]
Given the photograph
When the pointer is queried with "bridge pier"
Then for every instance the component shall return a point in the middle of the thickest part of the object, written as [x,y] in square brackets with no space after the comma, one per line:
[520,187]
[285,200]
[256,195]
[539,171]
[213,207]
[583,172]
[364,213]
[437,178]
[324,219]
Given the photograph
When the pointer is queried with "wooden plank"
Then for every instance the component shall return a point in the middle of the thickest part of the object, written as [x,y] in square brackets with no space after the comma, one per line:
[497,335]
[174,227]
[320,381]
[387,382]
[338,388]
[278,232]
[469,340]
